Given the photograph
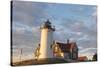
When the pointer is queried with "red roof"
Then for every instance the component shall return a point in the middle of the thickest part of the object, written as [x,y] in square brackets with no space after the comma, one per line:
[82,58]
[66,47]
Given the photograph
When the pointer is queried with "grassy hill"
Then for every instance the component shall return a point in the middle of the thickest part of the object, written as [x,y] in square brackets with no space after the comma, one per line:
[44,61]
[38,62]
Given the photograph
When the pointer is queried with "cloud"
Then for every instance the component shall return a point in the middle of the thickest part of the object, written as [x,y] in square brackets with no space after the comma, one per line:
[20,30]
[89,52]
[28,40]
[85,37]
[80,47]
[87,49]
[78,30]
[28,13]
[28,16]
[94,14]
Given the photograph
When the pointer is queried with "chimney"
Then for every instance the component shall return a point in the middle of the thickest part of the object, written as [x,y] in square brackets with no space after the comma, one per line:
[67,40]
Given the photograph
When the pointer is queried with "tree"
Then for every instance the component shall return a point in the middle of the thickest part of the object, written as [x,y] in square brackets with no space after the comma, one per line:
[37,53]
[94,57]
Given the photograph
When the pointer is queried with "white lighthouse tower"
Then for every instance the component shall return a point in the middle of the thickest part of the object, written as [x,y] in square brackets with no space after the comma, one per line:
[46,40]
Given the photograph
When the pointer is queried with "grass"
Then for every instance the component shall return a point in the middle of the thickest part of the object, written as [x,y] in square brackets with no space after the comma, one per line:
[43,61]
[39,62]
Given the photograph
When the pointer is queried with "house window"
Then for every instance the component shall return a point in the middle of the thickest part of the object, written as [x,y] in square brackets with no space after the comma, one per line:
[74,55]
[66,56]
[56,49]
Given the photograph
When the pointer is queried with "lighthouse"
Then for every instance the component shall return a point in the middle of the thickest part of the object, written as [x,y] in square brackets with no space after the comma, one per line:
[46,40]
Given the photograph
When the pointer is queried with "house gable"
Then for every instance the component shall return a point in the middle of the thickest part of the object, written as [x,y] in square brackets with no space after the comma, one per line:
[67,50]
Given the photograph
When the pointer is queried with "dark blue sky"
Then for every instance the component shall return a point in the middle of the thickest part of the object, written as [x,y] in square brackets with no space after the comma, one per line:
[76,22]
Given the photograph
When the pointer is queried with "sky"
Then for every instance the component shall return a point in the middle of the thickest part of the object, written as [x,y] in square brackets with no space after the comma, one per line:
[72,21]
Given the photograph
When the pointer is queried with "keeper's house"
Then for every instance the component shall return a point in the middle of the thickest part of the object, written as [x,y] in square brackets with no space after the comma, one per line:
[67,51]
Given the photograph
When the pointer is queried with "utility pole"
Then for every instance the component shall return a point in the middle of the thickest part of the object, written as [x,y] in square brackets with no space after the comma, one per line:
[20,54]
